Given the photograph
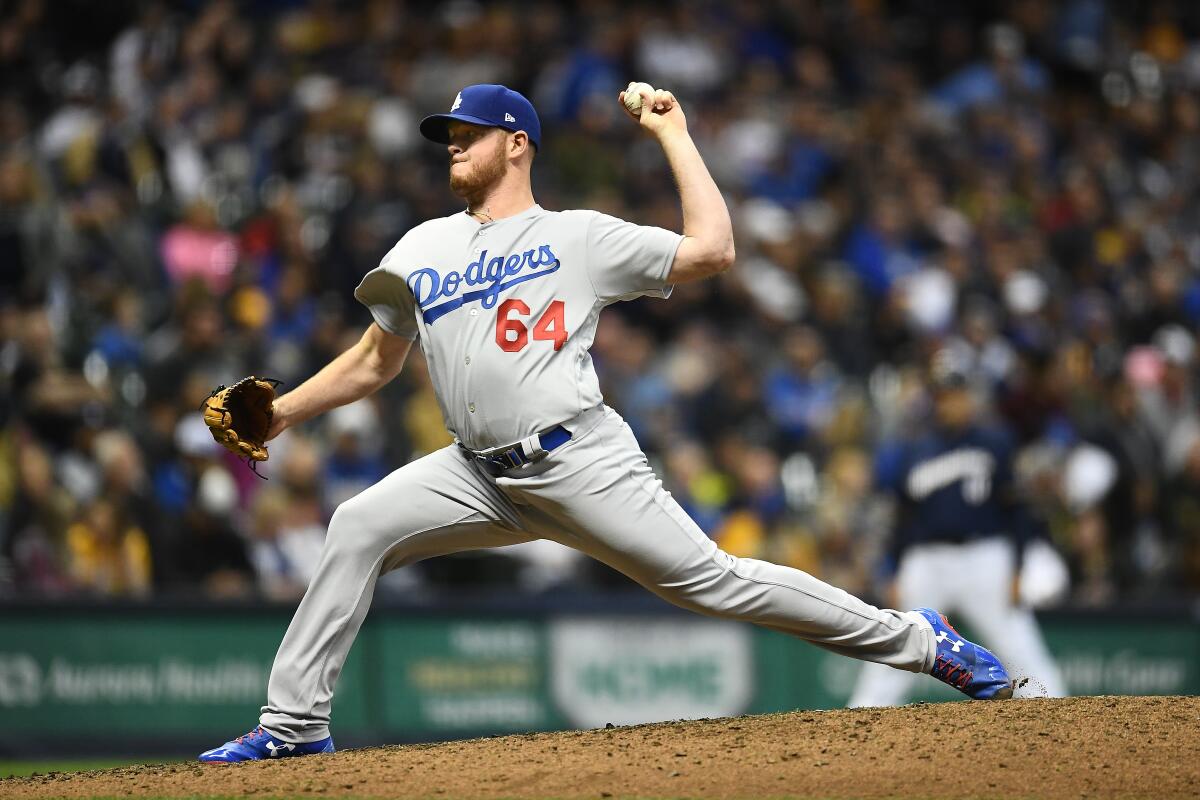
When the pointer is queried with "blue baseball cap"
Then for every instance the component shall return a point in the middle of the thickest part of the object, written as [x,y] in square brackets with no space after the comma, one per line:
[486,104]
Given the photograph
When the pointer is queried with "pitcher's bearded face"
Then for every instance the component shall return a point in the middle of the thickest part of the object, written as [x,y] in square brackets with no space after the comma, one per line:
[477,158]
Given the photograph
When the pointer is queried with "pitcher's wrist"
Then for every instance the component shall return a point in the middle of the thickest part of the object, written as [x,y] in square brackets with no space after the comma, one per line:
[281,417]
[670,136]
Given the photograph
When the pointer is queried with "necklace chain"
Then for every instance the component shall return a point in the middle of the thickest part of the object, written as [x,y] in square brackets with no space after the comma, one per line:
[483,214]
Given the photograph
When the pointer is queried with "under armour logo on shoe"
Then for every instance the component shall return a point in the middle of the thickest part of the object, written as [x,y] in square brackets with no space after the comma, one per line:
[275,750]
[509,117]
[457,103]
[956,644]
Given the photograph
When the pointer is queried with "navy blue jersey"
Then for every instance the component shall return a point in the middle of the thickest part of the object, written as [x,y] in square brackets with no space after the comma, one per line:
[951,487]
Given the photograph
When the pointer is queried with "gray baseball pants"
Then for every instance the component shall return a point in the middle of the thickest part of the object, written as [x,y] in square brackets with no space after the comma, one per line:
[595,493]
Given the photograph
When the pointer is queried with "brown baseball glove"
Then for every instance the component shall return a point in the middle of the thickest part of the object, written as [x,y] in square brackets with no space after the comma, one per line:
[239,417]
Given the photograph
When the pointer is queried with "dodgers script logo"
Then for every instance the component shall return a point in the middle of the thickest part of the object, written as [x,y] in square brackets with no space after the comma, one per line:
[429,286]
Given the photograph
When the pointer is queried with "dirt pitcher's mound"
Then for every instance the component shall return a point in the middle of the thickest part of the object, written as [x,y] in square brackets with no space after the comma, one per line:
[1083,747]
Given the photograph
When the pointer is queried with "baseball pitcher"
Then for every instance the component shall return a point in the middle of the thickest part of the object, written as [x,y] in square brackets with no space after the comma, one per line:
[504,297]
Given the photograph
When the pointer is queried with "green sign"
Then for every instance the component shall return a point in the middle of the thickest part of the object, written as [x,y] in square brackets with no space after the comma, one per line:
[1096,658]
[139,675]
[463,676]
[1127,657]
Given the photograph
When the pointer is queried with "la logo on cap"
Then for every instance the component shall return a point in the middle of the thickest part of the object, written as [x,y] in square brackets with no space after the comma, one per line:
[509,117]
[457,103]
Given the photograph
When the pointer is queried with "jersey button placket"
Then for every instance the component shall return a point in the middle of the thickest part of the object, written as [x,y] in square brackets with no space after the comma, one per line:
[473,312]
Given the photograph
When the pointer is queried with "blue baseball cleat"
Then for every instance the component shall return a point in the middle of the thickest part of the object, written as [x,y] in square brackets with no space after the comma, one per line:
[258,745]
[966,666]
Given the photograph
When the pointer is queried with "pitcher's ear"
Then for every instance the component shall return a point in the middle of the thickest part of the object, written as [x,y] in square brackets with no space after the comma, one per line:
[519,143]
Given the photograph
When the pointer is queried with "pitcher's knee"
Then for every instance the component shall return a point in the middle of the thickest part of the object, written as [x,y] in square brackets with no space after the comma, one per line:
[718,589]
[705,592]
[355,531]
[698,602]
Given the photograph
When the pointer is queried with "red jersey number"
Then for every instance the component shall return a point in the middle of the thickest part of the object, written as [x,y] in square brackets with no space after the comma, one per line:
[505,326]
[552,327]
[512,335]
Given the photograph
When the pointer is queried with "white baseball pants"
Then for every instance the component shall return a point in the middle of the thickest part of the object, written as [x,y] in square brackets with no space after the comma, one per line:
[596,493]
[974,581]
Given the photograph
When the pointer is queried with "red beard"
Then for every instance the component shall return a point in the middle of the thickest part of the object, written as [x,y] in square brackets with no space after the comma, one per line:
[487,169]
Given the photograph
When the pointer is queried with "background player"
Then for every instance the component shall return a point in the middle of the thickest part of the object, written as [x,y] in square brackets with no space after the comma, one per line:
[958,536]
[505,298]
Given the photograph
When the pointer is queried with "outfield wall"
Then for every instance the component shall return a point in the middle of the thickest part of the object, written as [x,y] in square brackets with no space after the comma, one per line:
[138,678]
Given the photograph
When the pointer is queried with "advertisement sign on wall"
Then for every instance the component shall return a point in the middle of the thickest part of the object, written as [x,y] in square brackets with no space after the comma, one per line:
[95,674]
[615,670]
[461,676]
[123,676]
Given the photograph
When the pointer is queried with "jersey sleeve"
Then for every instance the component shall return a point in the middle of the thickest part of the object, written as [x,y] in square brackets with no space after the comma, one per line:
[627,260]
[389,300]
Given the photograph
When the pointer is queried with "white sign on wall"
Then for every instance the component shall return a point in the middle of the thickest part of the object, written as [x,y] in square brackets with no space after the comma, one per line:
[629,671]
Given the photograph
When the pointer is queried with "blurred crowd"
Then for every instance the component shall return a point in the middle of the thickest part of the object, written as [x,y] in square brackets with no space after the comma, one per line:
[189,193]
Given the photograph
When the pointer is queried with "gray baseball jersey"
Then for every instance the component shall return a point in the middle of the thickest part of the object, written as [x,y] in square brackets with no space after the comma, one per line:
[507,310]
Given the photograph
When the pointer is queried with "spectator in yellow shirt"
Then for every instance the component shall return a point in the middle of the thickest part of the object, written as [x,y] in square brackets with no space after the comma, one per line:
[108,555]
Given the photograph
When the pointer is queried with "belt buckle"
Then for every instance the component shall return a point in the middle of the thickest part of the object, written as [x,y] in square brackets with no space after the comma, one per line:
[497,462]
[513,457]
[491,466]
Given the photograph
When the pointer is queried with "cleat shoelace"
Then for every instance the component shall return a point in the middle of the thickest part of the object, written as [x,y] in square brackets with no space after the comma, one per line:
[254,732]
[945,668]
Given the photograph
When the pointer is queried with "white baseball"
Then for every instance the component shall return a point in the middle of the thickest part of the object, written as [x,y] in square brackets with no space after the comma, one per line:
[633,96]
